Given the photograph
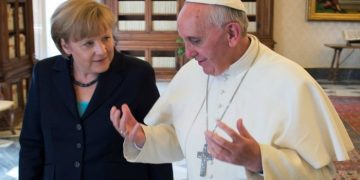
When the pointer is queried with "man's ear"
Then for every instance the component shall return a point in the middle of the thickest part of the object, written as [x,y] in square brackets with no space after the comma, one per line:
[65,47]
[234,33]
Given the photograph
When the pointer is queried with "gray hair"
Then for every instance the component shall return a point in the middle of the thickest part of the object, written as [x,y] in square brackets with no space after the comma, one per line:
[221,15]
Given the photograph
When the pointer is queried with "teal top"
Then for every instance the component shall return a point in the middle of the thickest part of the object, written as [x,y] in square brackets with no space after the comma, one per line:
[82,105]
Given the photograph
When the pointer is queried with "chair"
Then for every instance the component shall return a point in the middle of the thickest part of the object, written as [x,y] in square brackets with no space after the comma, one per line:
[7,112]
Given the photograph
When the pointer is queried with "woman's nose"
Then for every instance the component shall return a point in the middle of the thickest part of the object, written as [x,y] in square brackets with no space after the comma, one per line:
[100,48]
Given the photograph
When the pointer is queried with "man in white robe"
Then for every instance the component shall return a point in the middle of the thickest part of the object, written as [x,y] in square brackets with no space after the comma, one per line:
[260,114]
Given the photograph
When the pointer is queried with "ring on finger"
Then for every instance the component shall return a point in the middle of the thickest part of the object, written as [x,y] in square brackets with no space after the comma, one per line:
[123,132]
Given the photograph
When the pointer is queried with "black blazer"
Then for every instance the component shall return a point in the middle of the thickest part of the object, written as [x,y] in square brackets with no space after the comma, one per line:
[56,143]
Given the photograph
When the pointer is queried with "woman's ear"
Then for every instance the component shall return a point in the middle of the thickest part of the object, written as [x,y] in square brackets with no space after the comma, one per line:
[234,33]
[65,46]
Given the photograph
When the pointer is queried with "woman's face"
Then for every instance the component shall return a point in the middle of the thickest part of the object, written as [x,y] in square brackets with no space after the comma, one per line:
[92,55]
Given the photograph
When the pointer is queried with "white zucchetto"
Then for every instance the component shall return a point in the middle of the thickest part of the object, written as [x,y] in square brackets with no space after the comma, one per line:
[235,4]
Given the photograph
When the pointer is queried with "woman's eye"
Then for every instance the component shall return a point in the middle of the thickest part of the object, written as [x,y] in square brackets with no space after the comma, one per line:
[106,38]
[89,43]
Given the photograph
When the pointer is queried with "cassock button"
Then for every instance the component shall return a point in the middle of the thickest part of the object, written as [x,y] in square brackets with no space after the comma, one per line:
[77,164]
[78,145]
[226,76]
[222,91]
[220,106]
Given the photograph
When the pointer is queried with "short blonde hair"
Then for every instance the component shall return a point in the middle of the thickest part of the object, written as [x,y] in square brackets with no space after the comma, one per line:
[78,19]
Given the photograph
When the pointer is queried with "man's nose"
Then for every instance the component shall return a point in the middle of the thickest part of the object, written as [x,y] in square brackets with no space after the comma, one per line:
[189,51]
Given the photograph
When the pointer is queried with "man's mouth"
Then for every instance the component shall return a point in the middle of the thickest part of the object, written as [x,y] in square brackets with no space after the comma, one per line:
[201,61]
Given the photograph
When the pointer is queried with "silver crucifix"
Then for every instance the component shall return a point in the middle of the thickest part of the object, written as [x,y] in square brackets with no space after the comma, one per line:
[204,156]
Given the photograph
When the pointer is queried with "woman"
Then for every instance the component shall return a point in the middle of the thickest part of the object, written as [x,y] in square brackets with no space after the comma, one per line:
[66,131]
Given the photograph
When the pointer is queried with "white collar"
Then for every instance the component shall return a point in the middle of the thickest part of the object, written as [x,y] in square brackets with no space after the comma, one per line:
[245,60]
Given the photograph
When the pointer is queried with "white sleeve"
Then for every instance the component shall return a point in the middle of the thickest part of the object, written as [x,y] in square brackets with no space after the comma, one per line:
[161,146]
[287,164]
[313,138]
[161,143]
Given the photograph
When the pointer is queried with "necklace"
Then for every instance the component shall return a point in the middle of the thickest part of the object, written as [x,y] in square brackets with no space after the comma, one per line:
[84,84]
[78,83]
[204,155]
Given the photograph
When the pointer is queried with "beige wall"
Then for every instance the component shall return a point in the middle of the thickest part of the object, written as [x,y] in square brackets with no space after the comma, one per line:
[303,41]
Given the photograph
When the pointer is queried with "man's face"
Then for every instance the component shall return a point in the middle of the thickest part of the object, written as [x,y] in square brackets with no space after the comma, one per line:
[203,41]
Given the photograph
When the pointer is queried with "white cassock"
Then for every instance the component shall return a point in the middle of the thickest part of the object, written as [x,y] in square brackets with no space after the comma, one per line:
[281,105]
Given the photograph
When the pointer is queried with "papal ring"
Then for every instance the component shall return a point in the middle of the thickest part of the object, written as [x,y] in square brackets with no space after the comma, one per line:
[123,133]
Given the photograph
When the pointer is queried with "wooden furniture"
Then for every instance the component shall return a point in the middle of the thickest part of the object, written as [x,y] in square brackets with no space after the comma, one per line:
[16,52]
[148,30]
[263,18]
[7,113]
[333,73]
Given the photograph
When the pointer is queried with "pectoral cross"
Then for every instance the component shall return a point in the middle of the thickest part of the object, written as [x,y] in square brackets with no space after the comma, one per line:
[204,156]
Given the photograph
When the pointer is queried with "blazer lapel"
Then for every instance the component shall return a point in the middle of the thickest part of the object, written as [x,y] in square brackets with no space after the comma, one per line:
[62,84]
[108,82]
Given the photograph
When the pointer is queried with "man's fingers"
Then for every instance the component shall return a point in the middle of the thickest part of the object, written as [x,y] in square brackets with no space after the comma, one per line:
[242,130]
[127,121]
[232,133]
[133,133]
[124,118]
[115,117]
[217,145]
[126,111]
[112,114]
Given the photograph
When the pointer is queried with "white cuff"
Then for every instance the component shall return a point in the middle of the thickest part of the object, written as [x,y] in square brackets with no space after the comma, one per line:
[137,147]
